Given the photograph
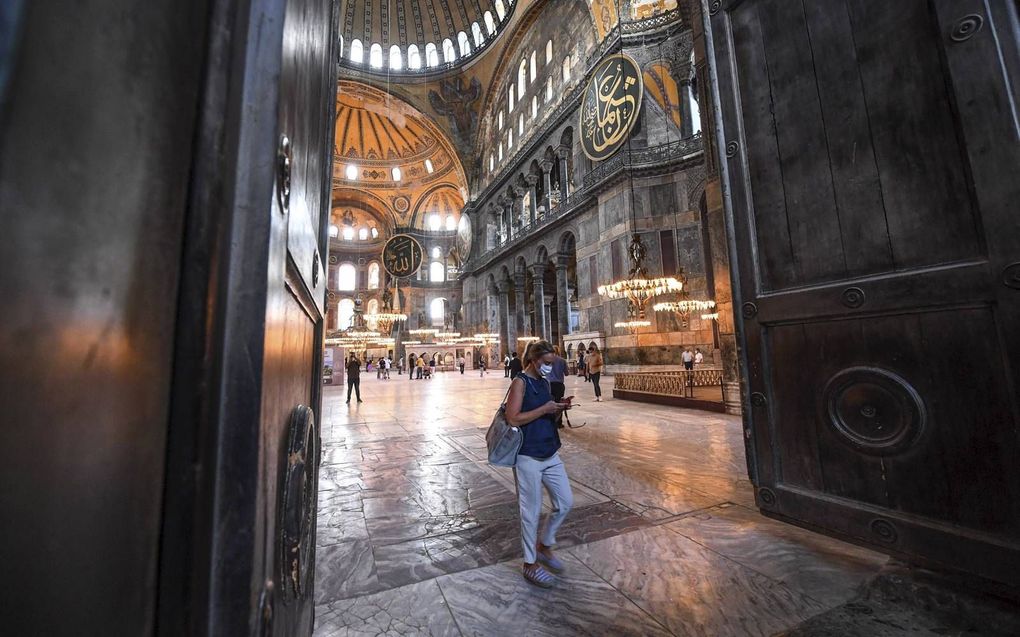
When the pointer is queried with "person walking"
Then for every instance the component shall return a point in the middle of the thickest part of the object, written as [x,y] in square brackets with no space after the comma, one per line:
[699,358]
[515,365]
[432,366]
[595,364]
[353,377]
[688,359]
[387,364]
[581,371]
[481,365]
[556,375]
[461,363]
[411,360]
[506,366]
[419,366]
[530,406]
[379,368]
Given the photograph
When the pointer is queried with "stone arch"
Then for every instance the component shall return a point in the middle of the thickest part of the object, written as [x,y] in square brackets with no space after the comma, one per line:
[567,242]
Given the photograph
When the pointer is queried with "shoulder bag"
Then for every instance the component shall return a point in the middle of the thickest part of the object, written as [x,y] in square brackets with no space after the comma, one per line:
[502,440]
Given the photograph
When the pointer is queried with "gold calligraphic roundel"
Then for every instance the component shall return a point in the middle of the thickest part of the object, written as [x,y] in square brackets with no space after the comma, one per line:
[610,106]
[402,255]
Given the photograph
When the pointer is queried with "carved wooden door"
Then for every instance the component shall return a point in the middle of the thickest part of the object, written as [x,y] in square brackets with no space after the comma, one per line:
[870,168]
[295,314]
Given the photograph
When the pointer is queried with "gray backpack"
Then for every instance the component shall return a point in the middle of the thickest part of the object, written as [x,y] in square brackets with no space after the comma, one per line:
[503,440]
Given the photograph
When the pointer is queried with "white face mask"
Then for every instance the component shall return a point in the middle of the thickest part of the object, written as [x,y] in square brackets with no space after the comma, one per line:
[545,369]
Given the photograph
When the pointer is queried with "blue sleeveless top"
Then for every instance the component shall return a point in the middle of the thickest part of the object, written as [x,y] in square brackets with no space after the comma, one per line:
[541,437]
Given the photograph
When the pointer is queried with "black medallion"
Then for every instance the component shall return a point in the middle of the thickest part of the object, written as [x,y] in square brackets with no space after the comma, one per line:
[610,106]
[402,255]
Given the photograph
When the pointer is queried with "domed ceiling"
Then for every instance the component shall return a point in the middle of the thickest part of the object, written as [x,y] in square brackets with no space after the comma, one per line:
[393,161]
[403,23]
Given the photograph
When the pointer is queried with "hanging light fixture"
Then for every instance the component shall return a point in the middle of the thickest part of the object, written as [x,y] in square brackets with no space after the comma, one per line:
[386,319]
[528,339]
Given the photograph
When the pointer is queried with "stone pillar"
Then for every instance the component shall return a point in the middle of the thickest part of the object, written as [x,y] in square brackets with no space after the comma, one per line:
[538,274]
[508,217]
[520,215]
[686,122]
[507,337]
[547,329]
[546,167]
[533,207]
[522,316]
[562,296]
[563,152]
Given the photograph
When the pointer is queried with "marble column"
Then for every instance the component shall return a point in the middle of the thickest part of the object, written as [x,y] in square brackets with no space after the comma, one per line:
[562,296]
[548,318]
[522,316]
[520,215]
[538,280]
[547,167]
[686,121]
[563,152]
[532,181]
[508,218]
[507,337]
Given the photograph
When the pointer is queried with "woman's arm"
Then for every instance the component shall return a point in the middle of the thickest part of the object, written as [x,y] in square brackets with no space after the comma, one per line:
[515,399]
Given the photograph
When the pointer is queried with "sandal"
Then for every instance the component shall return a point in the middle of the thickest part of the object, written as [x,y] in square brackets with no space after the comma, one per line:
[538,576]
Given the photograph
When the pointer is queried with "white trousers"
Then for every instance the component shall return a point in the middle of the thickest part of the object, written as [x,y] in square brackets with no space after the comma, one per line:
[530,474]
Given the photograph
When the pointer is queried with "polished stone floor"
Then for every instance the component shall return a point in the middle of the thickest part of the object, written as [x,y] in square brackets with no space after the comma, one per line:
[418,535]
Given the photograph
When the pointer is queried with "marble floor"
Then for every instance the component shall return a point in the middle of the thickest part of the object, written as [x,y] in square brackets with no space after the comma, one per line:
[417,535]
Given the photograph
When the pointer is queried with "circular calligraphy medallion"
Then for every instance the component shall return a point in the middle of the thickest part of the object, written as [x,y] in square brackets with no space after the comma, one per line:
[610,106]
[402,255]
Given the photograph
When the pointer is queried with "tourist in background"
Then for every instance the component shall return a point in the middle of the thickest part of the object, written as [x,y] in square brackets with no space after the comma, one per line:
[461,363]
[353,377]
[419,366]
[481,365]
[699,358]
[595,364]
[530,406]
[412,361]
[555,372]
[432,366]
[581,371]
[515,365]
[688,358]
[387,364]
[506,366]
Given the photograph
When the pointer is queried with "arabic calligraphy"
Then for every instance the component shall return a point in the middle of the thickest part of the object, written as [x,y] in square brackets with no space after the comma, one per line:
[402,255]
[611,105]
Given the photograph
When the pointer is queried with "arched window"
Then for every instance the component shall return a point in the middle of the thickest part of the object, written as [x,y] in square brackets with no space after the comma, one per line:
[396,173]
[363,234]
[373,275]
[375,232]
[522,78]
[510,139]
[463,43]
[373,306]
[396,60]
[510,100]
[534,107]
[520,125]
[348,233]
[548,89]
[340,48]
[346,277]
[428,166]
[451,222]
[437,272]
[345,312]
[490,25]
[357,51]
[413,57]
[449,53]
[434,222]
[533,68]
[375,56]
[334,231]
[499,119]
[437,308]
[566,69]
[436,252]
[431,55]
[492,165]
[500,10]
[548,52]
[501,151]
[476,31]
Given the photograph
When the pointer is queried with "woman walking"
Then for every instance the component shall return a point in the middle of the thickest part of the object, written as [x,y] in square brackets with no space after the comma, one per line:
[595,364]
[530,406]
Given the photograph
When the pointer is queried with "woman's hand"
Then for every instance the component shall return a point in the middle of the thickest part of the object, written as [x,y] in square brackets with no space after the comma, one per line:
[553,407]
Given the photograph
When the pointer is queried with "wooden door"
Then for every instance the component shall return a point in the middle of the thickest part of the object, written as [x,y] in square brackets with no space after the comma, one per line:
[870,173]
[295,316]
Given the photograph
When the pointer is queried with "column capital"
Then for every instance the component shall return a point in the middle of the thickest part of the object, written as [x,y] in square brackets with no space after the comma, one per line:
[562,262]
[518,192]
[531,179]
[519,279]
[546,166]
[538,271]
[563,151]
[503,286]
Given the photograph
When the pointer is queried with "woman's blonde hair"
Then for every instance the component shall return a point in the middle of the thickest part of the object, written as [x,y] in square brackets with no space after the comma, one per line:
[536,350]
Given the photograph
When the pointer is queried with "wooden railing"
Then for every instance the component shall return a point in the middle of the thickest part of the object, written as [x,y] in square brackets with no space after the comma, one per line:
[678,383]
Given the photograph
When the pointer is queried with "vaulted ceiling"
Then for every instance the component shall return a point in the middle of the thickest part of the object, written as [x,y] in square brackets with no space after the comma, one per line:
[405,22]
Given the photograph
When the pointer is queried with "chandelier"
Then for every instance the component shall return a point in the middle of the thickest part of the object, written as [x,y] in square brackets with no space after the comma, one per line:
[638,288]
[528,339]
[385,320]
[447,335]
[684,307]
[424,331]
[632,324]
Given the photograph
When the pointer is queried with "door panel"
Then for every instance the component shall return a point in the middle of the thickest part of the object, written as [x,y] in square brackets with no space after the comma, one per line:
[870,147]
